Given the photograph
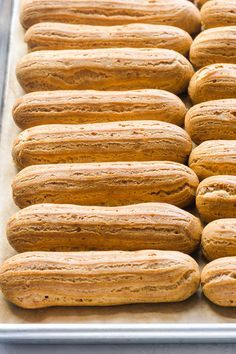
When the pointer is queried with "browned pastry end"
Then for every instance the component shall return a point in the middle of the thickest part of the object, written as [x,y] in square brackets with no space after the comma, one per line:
[218,13]
[218,280]
[107,183]
[219,239]
[215,45]
[102,142]
[63,227]
[105,69]
[213,82]
[42,279]
[214,157]
[212,120]
[75,107]
[55,36]
[179,13]
[216,198]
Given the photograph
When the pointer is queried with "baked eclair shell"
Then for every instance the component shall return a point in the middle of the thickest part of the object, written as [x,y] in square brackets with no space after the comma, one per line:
[42,279]
[218,280]
[215,45]
[214,157]
[76,107]
[218,13]
[102,142]
[63,227]
[105,69]
[107,183]
[219,239]
[55,36]
[212,120]
[179,13]
[213,82]
[216,198]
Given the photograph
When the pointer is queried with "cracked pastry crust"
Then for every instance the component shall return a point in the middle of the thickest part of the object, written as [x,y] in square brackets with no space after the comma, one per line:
[102,142]
[42,279]
[105,69]
[212,120]
[215,45]
[219,239]
[107,183]
[216,198]
[54,36]
[218,281]
[75,107]
[213,82]
[214,157]
[218,13]
[179,13]
[63,227]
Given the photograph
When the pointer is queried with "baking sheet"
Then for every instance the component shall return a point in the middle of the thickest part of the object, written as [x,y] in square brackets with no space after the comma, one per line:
[188,321]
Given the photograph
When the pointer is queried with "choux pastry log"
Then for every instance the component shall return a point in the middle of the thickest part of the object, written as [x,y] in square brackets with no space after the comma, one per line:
[63,227]
[42,279]
[107,183]
[105,69]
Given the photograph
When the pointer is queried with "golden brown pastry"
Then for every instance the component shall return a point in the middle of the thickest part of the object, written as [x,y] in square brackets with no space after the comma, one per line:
[216,198]
[42,279]
[63,227]
[105,69]
[179,13]
[54,36]
[218,280]
[212,120]
[101,142]
[215,45]
[214,157]
[107,183]
[75,107]
[219,239]
[213,82]
[217,13]
[200,2]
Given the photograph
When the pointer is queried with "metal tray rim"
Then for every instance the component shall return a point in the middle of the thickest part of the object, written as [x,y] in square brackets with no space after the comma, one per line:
[118,333]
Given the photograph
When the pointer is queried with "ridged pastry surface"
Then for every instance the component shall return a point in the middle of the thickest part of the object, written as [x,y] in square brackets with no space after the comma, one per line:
[212,120]
[75,107]
[63,227]
[218,280]
[219,239]
[99,142]
[108,184]
[105,69]
[213,82]
[216,198]
[214,157]
[55,36]
[215,45]
[43,279]
[179,13]
[218,13]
